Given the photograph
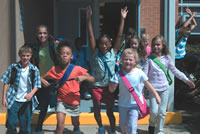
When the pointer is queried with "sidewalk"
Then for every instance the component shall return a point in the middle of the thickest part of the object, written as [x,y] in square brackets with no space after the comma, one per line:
[92,129]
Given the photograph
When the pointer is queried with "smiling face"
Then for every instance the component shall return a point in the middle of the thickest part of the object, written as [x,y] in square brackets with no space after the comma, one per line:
[104,45]
[129,62]
[65,55]
[25,58]
[134,43]
[42,35]
[157,47]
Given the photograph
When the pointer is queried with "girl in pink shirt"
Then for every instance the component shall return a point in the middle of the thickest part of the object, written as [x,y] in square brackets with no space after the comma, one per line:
[145,38]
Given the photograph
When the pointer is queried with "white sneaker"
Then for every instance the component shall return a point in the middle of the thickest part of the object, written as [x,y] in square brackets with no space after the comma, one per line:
[50,110]
[87,95]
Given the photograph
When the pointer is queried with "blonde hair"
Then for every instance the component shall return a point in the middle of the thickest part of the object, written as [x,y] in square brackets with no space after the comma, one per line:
[25,49]
[145,36]
[133,52]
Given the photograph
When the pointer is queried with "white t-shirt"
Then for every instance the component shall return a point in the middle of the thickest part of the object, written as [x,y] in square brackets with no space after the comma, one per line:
[24,86]
[136,79]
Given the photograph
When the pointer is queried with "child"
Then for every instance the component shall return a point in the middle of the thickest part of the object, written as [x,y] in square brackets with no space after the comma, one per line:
[137,44]
[81,58]
[104,59]
[44,57]
[183,33]
[128,109]
[145,38]
[68,94]
[21,81]
[159,81]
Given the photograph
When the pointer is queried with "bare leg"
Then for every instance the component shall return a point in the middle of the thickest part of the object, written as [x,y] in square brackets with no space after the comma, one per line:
[97,114]
[75,122]
[60,122]
[111,117]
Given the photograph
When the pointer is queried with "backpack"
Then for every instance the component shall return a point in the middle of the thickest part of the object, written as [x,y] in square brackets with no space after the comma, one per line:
[14,75]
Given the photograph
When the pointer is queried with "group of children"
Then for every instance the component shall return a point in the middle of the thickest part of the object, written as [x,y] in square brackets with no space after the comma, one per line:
[54,61]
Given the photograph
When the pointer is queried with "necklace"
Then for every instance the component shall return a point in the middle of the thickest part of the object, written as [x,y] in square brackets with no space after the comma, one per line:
[24,69]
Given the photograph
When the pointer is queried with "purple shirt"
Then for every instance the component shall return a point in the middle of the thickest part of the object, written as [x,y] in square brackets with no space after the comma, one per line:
[156,75]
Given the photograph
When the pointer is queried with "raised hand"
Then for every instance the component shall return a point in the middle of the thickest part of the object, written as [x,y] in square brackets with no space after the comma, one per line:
[194,14]
[124,12]
[89,12]
[187,10]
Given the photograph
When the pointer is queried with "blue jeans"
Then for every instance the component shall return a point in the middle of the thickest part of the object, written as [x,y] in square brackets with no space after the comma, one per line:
[128,118]
[19,111]
[158,112]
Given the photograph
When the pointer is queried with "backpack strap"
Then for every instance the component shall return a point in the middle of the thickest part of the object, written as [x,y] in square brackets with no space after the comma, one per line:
[66,74]
[103,58]
[131,89]
[32,77]
[157,61]
[52,53]
[14,76]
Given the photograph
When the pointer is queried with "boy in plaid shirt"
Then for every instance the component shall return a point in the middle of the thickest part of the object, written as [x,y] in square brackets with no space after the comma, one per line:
[18,92]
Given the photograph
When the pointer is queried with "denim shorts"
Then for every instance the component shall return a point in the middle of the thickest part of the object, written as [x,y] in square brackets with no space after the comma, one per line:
[72,110]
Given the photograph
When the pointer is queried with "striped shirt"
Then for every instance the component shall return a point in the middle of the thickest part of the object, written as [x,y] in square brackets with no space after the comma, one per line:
[12,90]
[180,48]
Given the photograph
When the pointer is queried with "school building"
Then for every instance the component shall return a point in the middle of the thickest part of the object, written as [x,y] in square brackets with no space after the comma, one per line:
[67,19]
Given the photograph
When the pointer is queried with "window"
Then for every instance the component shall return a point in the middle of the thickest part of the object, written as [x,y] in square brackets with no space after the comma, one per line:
[83,33]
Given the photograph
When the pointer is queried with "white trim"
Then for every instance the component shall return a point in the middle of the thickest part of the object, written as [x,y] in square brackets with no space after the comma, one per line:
[189,4]
[79,25]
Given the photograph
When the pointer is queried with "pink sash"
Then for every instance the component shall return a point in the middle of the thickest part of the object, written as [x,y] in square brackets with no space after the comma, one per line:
[144,110]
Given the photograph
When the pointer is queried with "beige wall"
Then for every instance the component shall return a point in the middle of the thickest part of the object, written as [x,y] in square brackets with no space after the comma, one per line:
[6,39]
[36,12]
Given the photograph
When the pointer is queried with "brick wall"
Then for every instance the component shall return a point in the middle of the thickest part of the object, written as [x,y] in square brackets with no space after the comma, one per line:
[152,16]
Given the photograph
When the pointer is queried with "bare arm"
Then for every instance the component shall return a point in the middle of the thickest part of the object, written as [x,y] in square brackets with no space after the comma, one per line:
[190,84]
[112,87]
[90,29]
[4,101]
[43,80]
[30,95]
[191,19]
[194,23]
[151,88]
[117,44]
[87,77]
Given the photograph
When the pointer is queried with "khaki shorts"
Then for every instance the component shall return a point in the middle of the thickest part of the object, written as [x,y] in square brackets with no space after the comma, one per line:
[72,110]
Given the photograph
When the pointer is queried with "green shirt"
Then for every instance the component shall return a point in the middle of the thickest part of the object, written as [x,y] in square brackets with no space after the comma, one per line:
[45,63]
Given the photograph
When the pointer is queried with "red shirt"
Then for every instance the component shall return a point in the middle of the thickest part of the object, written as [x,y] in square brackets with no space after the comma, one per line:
[69,92]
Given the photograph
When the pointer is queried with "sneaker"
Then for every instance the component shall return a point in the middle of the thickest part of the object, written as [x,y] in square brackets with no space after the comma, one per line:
[101,130]
[114,132]
[77,131]
[37,132]
[151,130]
[87,95]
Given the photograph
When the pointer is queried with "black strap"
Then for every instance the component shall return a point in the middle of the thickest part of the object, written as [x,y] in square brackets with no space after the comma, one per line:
[14,76]
[179,40]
